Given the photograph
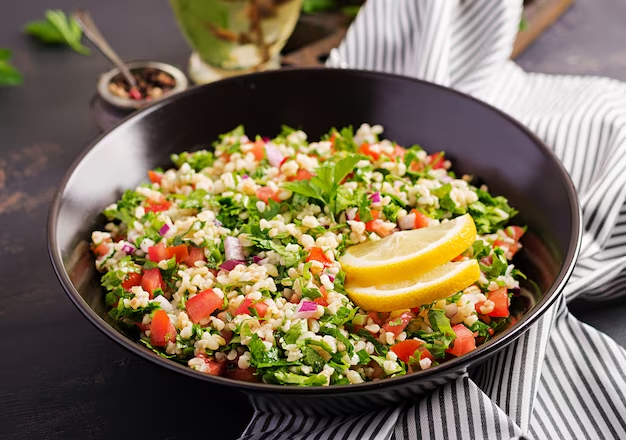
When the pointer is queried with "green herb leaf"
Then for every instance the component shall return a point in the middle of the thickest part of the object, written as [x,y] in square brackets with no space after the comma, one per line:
[9,75]
[57,28]
[380,348]
[284,377]
[124,209]
[313,359]
[198,160]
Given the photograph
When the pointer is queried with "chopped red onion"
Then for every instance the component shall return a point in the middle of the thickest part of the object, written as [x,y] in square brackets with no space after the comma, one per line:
[245,176]
[164,229]
[305,310]
[257,259]
[331,278]
[274,156]
[233,249]
[128,248]
[447,179]
[229,265]
[265,139]
[375,198]
[407,222]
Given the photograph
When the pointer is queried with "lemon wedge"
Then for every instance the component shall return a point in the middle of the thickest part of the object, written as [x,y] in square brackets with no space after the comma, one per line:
[406,254]
[439,283]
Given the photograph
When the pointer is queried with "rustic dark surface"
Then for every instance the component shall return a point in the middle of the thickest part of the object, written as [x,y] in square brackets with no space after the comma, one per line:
[59,377]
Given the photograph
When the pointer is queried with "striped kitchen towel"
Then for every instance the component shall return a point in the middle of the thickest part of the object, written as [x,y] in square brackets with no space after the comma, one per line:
[562,379]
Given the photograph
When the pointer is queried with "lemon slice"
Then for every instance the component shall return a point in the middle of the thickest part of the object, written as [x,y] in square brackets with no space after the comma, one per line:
[407,254]
[439,283]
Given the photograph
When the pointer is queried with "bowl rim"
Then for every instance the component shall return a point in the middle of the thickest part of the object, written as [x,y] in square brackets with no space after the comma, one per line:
[550,296]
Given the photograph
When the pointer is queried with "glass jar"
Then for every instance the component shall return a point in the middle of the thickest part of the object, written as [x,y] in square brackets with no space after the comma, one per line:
[232,37]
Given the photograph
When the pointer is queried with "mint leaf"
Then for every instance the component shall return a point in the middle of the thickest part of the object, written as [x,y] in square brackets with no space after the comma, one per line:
[9,75]
[57,28]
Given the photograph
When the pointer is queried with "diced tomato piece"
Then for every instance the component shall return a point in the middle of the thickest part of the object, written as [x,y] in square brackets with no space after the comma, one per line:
[436,160]
[379,317]
[301,175]
[374,213]
[377,227]
[416,166]
[155,177]
[162,330]
[195,254]
[405,349]
[258,150]
[322,300]
[266,193]
[247,304]
[426,354]
[157,206]
[317,254]
[215,368]
[397,324]
[332,140]
[509,248]
[157,252]
[366,149]
[500,298]
[202,305]
[132,279]
[101,249]
[421,219]
[398,152]
[459,258]
[152,280]
[515,232]
[180,252]
[464,342]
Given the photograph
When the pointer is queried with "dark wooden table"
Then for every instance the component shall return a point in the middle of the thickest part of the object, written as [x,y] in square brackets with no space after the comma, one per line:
[59,377]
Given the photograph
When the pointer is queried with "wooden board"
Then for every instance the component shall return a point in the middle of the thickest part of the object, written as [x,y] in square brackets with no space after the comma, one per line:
[317,34]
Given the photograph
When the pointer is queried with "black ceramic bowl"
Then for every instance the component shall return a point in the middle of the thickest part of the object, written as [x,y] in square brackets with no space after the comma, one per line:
[478,139]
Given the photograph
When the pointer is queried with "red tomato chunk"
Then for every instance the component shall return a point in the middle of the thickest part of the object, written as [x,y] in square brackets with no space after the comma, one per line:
[246,306]
[162,330]
[464,342]
[397,324]
[202,305]
[317,254]
[152,280]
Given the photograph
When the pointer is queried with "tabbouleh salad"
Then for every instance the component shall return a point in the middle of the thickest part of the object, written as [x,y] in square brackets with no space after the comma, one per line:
[228,262]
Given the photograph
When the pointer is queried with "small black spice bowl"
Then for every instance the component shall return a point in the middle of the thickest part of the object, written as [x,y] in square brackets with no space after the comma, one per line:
[156,80]
[109,106]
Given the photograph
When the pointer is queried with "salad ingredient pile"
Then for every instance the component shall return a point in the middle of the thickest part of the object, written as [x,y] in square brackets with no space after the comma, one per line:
[291,262]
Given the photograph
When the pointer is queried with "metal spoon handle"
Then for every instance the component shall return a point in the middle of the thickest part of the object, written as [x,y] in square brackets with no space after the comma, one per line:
[86,23]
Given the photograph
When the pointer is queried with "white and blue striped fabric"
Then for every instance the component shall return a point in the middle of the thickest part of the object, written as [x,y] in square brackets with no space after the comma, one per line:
[562,379]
